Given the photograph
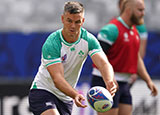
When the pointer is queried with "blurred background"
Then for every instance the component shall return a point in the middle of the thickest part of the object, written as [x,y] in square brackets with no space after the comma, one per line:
[25,25]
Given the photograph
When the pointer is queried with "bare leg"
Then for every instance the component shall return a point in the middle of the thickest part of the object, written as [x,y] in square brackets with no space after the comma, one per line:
[125,109]
[51,112]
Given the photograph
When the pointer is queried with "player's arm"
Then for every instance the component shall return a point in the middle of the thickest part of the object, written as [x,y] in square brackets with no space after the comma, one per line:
[51,59]
[57,73]
[102,63]
[142,72]
[142,49]
[100,60]
[107,36]
[143,36]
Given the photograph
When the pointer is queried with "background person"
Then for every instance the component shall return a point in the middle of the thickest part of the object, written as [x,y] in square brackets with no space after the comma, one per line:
[120,41]
[143,39]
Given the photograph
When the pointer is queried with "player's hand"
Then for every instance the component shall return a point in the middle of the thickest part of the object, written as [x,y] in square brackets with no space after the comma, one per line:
[153,88]
[112,87]
[79,101]
[133,78]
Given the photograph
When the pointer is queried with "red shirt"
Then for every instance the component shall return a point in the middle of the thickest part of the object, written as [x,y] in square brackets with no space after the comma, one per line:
[123,54]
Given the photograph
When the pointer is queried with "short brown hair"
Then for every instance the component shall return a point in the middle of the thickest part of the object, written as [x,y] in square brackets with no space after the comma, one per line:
[73,7]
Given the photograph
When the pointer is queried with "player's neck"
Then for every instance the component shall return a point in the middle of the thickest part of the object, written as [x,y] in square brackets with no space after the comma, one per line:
[126,19]
[70,38]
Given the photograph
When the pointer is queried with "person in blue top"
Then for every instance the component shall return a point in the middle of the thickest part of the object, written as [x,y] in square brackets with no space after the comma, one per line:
[63,55]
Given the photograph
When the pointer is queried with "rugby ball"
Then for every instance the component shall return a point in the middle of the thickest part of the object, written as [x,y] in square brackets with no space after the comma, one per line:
[99,99]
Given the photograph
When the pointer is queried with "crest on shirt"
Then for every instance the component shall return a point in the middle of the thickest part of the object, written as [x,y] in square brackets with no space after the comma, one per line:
[126,39]
[63,58]
[81,53]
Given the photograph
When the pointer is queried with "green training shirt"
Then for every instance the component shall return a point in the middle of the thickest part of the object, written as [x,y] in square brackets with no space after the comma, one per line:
[71,55]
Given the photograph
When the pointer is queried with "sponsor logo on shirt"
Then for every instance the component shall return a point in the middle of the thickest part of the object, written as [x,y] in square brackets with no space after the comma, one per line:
[48,104]
[63,58]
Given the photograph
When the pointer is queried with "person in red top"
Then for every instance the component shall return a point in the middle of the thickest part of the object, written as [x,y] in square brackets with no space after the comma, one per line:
[143,40]
[120,41]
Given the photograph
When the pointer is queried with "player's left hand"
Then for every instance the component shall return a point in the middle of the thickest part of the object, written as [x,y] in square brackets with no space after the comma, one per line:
[111,87]
[153,88]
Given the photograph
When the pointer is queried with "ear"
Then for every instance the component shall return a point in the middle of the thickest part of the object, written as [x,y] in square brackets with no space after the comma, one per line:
[83,20]
[62,18]
[129,11]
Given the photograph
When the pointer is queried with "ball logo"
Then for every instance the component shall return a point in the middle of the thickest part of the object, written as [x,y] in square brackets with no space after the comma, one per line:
[92,92]
[105,106]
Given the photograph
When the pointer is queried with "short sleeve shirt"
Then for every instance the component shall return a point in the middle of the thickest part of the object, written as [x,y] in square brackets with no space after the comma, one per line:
[71,55]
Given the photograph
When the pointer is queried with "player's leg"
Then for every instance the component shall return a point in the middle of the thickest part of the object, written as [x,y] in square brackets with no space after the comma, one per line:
[51,112]
[42,102]
[125,105]
[125,109]
[62,108]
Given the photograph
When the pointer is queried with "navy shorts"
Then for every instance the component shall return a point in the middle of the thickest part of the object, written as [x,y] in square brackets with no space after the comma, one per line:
[123,94]
[42,100]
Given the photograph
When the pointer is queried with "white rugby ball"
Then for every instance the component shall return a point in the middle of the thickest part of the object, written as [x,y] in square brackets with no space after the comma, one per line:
[99,99]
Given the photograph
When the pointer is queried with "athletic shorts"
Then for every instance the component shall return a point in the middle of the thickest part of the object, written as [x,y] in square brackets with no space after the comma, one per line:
[42,100]
[123,94]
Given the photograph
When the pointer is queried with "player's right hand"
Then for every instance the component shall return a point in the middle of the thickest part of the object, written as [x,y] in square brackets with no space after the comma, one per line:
[79,101]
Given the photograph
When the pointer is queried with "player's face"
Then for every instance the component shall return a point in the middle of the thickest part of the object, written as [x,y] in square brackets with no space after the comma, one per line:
[138,13]
[72,24]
